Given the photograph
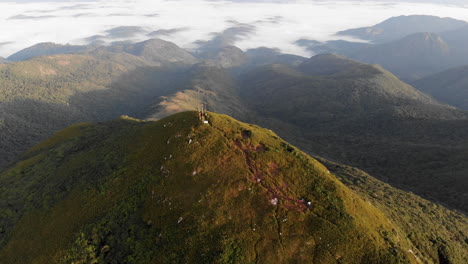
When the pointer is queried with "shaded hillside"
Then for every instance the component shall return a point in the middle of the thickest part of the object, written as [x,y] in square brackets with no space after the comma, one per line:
[450,86]
[364,116]
[398,27]
[129,192]
[44,94]
[331,86]
[46,48]
[412,57]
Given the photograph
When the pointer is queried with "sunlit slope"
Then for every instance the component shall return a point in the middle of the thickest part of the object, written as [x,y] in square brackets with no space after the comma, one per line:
[177,191]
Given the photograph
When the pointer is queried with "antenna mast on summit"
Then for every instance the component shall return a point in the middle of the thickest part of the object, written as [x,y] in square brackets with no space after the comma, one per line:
[202,113]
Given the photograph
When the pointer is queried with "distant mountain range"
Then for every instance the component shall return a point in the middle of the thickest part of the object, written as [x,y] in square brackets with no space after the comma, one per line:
[412,57]
[399,27]
[425,45]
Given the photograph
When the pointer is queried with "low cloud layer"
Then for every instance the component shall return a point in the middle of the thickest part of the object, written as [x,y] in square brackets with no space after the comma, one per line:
[275,24]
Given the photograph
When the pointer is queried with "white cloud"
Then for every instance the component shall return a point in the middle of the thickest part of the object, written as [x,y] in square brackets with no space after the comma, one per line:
[25,24]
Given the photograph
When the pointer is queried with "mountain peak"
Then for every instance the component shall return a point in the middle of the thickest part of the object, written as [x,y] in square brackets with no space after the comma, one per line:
[229,190]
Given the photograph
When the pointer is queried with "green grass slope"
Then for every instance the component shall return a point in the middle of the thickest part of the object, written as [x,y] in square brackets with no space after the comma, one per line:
[178,191]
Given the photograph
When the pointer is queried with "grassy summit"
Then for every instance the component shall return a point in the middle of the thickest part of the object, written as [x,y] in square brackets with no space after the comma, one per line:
[177,191]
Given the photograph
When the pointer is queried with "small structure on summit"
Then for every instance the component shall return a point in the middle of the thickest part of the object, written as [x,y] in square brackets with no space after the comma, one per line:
[202,115]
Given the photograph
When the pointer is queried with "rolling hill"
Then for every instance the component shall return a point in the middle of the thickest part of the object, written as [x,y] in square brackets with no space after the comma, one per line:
[399,27]
[128,191]
[450,87]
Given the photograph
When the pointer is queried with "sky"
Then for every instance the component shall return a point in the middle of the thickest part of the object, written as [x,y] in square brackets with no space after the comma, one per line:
[275,24]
